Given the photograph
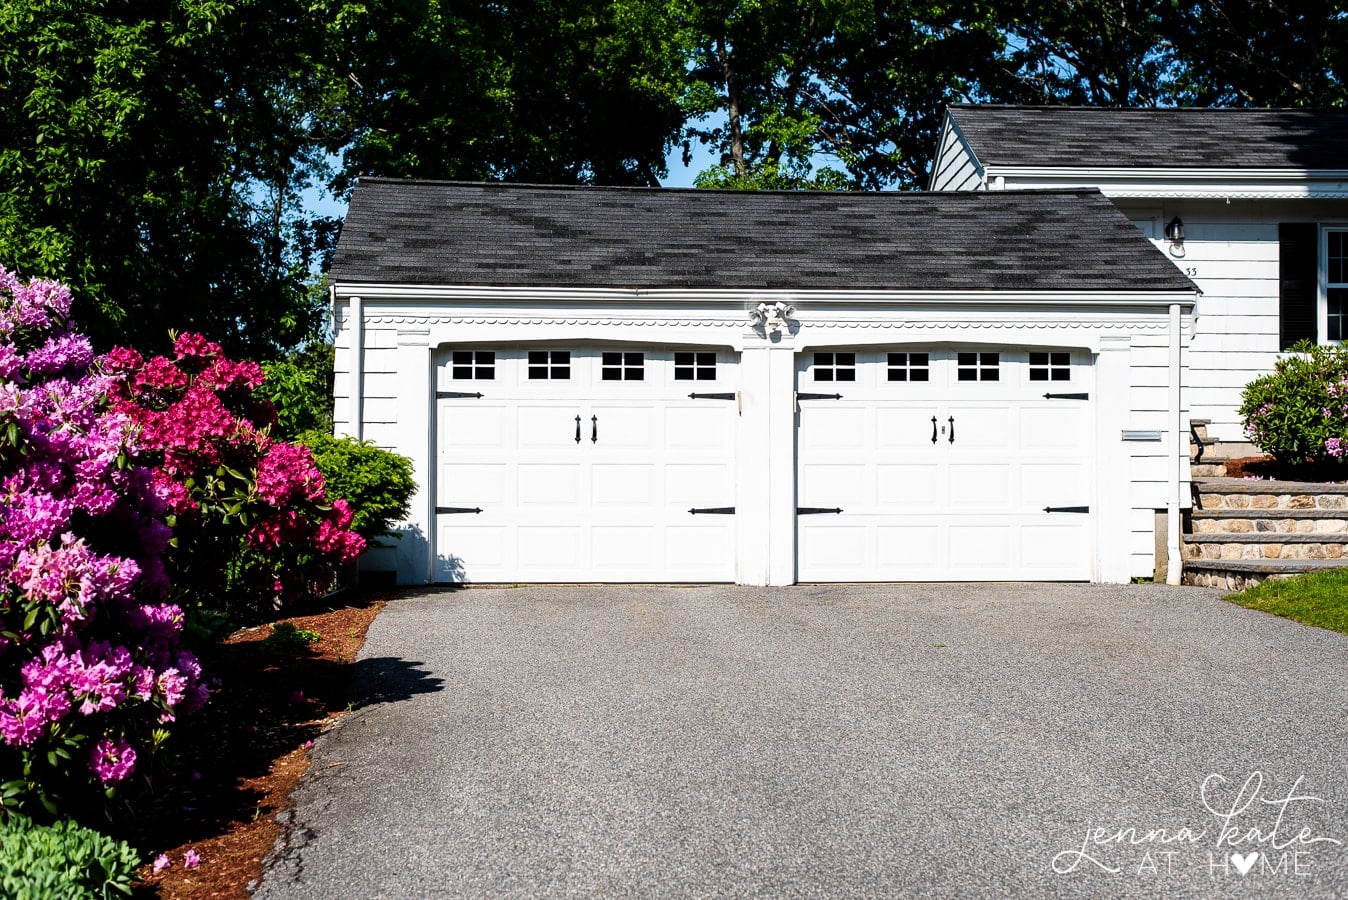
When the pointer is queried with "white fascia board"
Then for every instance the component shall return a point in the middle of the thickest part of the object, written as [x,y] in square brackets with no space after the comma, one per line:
[738,297]
[1182,183]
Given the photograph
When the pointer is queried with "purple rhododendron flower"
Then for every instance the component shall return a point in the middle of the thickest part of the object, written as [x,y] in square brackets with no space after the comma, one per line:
[112,761]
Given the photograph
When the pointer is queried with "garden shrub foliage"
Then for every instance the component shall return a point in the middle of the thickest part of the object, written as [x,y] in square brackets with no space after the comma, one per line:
[377,483]
[91,663]
[63,860]
[1298,414]
[252,526]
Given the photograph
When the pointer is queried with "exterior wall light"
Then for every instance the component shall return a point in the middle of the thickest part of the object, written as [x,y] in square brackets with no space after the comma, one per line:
[1174,233]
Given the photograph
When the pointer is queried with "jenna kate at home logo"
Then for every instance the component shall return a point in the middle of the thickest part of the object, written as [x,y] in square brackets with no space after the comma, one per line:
[1246,829]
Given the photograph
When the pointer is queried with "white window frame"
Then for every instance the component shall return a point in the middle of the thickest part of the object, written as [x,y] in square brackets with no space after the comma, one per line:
[1322,311]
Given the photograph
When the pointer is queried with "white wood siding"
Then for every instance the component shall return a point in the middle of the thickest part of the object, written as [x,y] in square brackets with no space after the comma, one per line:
[954,168]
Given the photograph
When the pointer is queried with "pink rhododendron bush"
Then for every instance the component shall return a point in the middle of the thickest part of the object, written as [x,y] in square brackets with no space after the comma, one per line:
[139,495]
[91,664]
[252,528]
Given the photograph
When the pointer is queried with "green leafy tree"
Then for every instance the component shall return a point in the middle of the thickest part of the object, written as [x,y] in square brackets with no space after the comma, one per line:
[152,157]
[551,91]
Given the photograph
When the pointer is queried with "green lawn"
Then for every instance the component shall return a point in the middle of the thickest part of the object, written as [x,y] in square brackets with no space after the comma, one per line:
[1316,598]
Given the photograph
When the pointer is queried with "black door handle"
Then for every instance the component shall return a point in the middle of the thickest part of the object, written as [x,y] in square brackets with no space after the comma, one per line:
[952,429]
[577,429]
[933,429]
[594,433]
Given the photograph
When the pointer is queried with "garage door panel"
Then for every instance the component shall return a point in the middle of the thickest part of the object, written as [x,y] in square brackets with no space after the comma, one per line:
[978,429]
[1062,430]
[980,486]
[831,426]
[835,485]
[835,549]
[541,484]
[707,429]
[542,427]
[1053,484]
[468,485]
[622,485]
[485,545]
[699,485]
[553,547]
[474,427]
[622,547]
[1048,546]
[904,429]
[617,428]
[908,548]
[974,547]
[692,551]
[910,487]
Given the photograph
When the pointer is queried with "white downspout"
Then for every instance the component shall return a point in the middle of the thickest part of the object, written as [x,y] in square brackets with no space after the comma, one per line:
[1178,457]
[357,317]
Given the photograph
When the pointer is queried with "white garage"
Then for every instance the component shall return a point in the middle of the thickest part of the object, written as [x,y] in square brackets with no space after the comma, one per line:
[631,385]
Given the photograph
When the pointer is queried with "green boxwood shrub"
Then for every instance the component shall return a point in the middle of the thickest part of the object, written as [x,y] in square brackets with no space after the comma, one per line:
[1298,414]
[65,860]
[376,482]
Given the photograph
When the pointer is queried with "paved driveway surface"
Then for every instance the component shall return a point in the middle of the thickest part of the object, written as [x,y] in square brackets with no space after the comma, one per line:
[850,741]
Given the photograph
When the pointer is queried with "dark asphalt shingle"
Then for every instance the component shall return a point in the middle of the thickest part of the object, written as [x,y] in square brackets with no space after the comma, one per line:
[426,232]
[1155,138]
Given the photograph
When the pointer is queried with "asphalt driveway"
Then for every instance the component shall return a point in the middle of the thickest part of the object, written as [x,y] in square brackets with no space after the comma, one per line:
[850,741]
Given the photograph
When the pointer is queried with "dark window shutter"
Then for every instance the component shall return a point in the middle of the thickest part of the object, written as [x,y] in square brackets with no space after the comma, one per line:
[1298,282]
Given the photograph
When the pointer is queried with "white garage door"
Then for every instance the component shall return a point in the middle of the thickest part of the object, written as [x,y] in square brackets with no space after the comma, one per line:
[935,464]
[579,464]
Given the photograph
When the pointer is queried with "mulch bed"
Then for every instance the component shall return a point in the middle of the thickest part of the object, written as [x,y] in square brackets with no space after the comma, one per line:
[1268,467]
[245,753]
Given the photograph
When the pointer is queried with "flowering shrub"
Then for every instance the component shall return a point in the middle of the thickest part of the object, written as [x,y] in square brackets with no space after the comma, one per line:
[1298,414]
[253,530]
[91,666]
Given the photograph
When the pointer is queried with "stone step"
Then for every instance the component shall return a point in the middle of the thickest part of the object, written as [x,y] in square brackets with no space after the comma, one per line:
[1265,546]
[1240,493]
[1270,521]
[1237,574]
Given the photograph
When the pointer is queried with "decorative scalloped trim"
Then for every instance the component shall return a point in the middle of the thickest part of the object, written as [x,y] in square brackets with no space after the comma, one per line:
[407,322]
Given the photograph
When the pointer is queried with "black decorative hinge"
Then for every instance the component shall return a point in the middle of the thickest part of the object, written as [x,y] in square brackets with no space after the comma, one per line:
[458,509]
[1067,396]
[818,510]
[726,396]
[712,510]
[818,396]
[455,395]
[1071,509]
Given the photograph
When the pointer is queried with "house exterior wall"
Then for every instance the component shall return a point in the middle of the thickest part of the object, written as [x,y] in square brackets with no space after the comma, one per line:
[387,340]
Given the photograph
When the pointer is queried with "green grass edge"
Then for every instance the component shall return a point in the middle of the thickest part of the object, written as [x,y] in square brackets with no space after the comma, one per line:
[1319,599]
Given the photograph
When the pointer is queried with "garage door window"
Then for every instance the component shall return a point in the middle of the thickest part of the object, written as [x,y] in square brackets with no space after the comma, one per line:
[835,367]
[909,367]
[616,366]
[978,366]
[1050,367]
[473,365]
[549,365]
[695,366]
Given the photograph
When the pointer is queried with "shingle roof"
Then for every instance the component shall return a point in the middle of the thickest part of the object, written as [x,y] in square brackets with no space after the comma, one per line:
[425,232]
[1155,138]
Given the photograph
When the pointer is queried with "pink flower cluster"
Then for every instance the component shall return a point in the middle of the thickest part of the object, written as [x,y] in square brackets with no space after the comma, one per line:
[91,662]
[226,480]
